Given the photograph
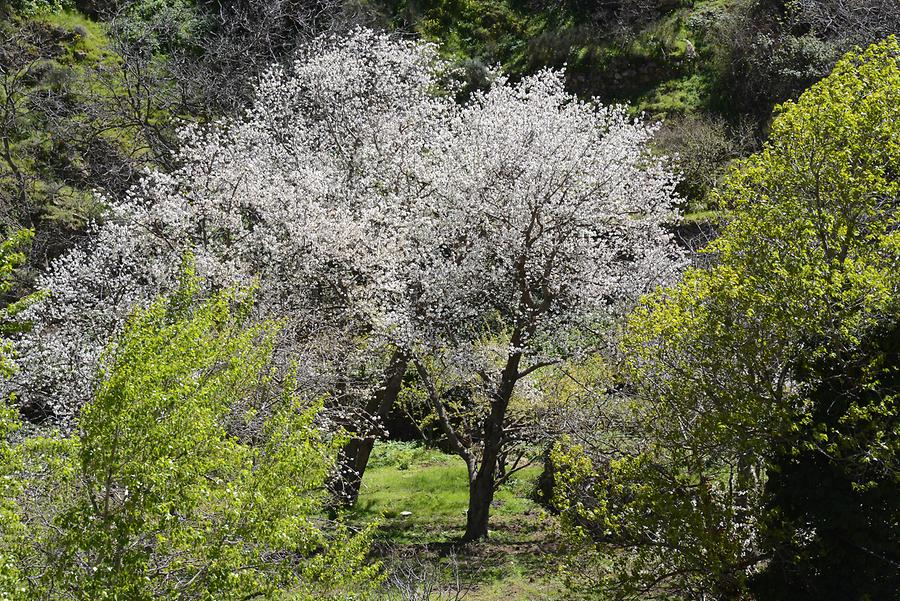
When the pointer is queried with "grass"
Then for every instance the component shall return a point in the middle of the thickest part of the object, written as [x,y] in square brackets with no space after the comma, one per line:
[704,216]
[519,560]
[88,43]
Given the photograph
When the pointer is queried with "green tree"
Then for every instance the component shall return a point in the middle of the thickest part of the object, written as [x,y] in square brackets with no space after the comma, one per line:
[11,529]
[11,257]
[192,474]
[728,366]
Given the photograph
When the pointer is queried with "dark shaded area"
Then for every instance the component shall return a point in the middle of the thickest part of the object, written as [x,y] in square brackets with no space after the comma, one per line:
[833,499]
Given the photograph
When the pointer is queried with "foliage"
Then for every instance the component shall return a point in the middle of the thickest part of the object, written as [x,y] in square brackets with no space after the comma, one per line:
[11,257]
[190,475]
[640,530]
[805,269]
[597,42]
[212,53]
[702,147]
[768,52]
[40,59]
[11,528]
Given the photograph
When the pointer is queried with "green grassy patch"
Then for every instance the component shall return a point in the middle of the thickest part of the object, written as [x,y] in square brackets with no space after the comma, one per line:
[701,216]
[518,561]
[433,487]
[86,40]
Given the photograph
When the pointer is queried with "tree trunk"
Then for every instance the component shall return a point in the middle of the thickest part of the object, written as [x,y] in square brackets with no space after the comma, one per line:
[546,482]
[354,457]
[481,495]
[481,487]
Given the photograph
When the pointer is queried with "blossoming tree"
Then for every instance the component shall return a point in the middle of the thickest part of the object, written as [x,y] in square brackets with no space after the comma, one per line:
[290,195]
[544,214]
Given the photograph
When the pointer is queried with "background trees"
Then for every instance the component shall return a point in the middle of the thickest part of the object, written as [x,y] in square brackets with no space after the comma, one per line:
[734,367]
[93,97]
[775,50]
[385,222]
[116,79]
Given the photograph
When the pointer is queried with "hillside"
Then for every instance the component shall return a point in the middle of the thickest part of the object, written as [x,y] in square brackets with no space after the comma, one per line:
[95,91]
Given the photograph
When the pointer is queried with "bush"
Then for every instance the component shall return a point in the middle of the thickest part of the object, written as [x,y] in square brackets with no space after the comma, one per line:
[701,148]
[769,51]
[767,373]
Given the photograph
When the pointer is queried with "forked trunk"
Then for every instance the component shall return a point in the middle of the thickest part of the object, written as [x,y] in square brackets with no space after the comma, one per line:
[481,487]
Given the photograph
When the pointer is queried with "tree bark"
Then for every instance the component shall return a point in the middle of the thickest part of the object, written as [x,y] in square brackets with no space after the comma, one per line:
[354,457]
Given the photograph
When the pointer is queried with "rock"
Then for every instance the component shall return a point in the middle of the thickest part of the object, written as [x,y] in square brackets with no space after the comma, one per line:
[690,52]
